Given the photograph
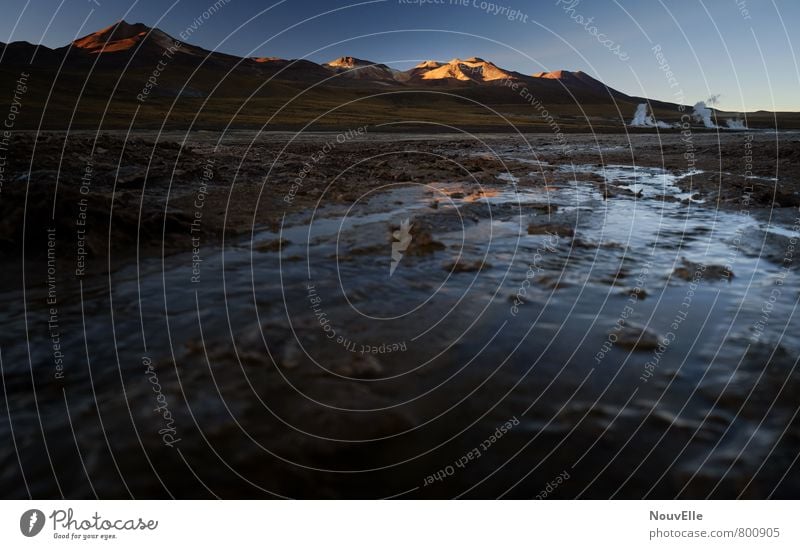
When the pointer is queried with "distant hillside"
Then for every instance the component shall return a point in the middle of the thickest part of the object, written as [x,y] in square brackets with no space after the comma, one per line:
[133,74]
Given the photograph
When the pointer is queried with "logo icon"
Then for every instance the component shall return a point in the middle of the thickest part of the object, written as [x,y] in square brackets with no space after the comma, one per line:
[31,522]
[401,240]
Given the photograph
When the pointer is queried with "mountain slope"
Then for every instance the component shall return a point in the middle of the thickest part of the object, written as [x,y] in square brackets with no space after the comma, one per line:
[133,45]
[99,77]
[137,44]
[123,36]
[351,67]
[473,69]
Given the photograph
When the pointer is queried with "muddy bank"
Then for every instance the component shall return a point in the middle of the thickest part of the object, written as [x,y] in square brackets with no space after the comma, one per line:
[144,192]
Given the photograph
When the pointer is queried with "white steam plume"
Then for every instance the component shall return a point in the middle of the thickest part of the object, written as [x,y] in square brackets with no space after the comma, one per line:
[703,114]
[643,120]
[641,117]
[735,124]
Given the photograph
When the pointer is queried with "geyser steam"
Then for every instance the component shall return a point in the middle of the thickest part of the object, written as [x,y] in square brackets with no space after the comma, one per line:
[735,124]
[643,120]
[703,114]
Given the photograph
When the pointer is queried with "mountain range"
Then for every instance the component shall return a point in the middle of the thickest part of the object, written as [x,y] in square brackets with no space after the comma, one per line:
[110,68]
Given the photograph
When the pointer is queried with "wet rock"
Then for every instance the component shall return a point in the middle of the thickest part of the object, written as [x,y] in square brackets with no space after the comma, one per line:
[690,270]
[465,266]
[551,228]
[552,282]
[606,191]
[377,249]
[614,278]
[638,292]
[271,245]
[591,245]
[544,208]
[422,241]
[666,198]
[635,337]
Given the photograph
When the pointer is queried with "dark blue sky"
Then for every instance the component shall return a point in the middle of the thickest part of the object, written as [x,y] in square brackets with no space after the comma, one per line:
[712,46]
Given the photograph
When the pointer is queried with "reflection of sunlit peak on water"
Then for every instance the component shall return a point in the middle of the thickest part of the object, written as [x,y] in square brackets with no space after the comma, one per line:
[482,194]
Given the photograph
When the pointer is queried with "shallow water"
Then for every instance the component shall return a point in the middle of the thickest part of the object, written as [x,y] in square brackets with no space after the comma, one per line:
[300,363]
